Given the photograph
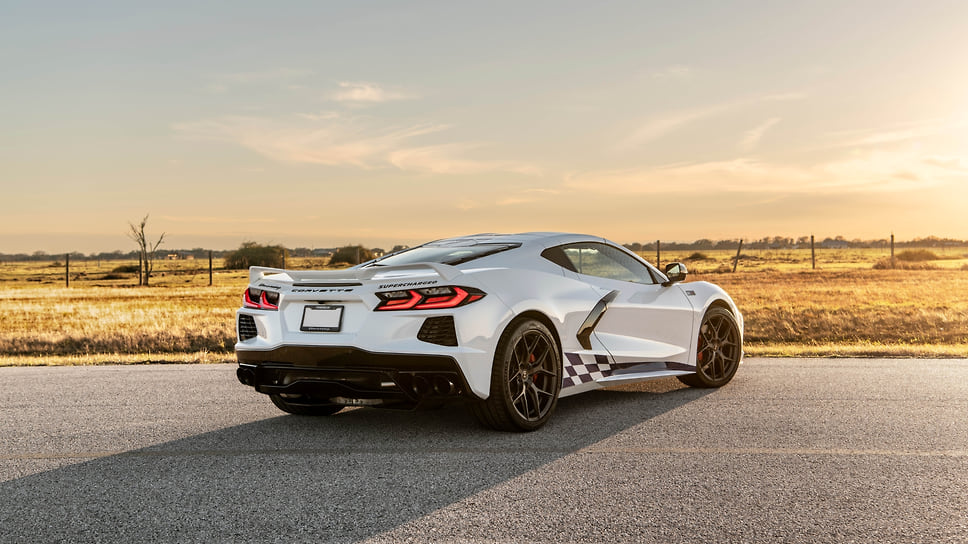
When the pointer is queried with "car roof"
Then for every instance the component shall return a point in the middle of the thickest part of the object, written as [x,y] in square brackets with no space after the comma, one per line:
[541,239]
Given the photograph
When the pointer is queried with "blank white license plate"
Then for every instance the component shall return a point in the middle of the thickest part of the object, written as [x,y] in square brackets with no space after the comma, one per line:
[322,318]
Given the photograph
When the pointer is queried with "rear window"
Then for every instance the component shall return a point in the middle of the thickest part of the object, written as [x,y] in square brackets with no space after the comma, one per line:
[451,255]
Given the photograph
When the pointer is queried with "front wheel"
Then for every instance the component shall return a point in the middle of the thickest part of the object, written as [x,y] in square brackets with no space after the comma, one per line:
[525,379]
[302,406]
[719,350]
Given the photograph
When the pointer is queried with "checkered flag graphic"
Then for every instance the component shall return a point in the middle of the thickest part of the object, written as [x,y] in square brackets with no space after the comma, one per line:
[579,370]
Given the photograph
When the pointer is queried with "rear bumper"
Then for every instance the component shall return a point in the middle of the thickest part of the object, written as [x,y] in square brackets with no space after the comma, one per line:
[352,376]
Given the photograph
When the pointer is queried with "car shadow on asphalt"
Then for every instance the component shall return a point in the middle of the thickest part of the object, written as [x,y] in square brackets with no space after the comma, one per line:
[292,479]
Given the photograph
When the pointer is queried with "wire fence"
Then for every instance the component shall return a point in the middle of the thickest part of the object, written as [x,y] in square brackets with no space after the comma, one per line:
[74,270]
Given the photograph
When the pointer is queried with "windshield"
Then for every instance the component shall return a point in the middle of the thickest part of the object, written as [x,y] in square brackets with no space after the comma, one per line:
[451,255]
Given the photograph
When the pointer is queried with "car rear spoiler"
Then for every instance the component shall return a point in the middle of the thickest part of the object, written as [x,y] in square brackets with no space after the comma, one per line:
[445,271]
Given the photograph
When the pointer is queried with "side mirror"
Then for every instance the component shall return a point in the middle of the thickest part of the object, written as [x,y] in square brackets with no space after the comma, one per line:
[676,272]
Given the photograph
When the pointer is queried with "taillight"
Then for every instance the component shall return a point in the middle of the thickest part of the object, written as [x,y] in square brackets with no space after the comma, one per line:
[260,300]
[430,298]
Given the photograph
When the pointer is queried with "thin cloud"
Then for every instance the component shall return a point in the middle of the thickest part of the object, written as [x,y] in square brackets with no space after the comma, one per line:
[528,196]
[752,137]
[363,92]
[323,116]
[657,128]
[353,141]
[677,71]
[784,97]
[654,129]
[864,172]
[221,83]
[957,164]
[329,141]
[899,133]
[215,220]
[451,159]
[273,74]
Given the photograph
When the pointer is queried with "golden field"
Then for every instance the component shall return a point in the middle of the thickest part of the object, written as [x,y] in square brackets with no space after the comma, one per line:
[843,308]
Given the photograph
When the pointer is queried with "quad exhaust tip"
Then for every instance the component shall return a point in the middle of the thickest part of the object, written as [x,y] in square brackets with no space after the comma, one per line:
[420,386]
[246,376]
[444,387]
[439,386]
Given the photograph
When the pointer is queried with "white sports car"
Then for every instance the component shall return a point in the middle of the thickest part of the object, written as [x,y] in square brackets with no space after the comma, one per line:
[508,322]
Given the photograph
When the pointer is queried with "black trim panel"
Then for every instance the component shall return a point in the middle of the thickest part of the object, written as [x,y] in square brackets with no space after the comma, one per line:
[588,326]
[334,357]
[327,371]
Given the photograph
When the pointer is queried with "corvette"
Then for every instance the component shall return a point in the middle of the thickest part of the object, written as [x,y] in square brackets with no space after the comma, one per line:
[509,323]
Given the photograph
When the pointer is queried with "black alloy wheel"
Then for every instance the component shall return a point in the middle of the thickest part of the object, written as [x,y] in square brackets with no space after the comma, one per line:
[525,379]
[719,350]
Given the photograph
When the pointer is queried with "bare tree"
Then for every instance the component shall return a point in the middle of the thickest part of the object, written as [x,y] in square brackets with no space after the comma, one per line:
[146,248]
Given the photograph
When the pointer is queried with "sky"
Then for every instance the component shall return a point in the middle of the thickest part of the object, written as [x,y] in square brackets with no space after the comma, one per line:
[326,123]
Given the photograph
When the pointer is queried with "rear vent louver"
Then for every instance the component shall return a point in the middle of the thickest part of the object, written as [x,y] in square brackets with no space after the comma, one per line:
[438,330]
[247,327]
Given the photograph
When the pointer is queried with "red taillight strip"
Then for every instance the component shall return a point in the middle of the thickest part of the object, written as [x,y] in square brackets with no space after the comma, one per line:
[448,302]
[266,305]
[402,304]
[261,304]
[248,302]
[417,300]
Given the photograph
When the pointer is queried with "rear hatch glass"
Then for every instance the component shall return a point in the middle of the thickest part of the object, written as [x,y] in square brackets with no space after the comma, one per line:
[444,254]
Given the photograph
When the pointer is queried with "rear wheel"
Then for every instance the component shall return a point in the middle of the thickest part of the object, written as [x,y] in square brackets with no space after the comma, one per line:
[719,350]
[525,379]
[304,406]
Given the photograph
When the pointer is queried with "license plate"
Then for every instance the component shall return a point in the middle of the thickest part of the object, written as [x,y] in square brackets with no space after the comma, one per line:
[322,318]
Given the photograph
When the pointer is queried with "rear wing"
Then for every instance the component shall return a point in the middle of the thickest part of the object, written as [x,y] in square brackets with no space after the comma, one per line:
[445,271]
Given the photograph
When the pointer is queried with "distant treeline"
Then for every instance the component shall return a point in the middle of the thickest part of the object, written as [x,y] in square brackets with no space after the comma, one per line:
[161,254]
[775,242]
[780,242]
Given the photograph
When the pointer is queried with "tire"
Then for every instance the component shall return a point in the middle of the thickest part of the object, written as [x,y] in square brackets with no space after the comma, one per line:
[304,407]
[525,379]
[718,352]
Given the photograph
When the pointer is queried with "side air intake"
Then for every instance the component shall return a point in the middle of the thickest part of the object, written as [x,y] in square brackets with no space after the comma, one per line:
[247,328]
[438,330]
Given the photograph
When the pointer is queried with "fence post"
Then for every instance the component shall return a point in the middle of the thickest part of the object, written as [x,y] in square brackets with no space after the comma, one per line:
[67,270]
[210,268]
[813,255]
[658,254]
[892,252]
[738,250]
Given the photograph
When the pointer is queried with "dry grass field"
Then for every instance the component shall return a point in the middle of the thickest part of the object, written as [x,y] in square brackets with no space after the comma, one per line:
[842,308]
[860,312]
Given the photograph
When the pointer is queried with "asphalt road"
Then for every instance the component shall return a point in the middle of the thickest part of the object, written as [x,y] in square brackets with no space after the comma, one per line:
[794,450]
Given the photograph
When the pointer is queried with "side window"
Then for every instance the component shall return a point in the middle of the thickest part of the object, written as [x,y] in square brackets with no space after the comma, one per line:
[557,256]
[604,261]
